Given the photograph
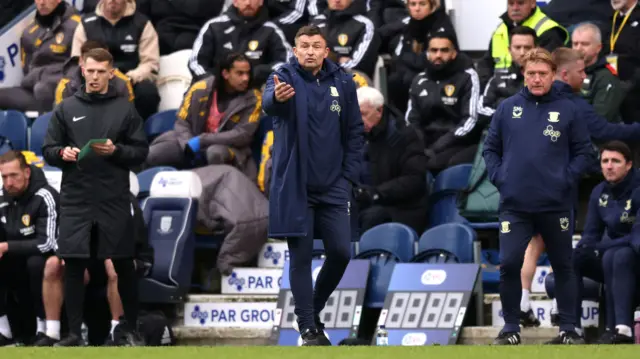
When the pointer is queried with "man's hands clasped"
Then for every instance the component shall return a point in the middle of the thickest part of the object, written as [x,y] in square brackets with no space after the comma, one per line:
[283,91]
[104,149]
[70,154]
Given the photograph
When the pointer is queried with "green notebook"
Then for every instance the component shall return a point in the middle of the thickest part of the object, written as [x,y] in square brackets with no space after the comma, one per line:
[87,148]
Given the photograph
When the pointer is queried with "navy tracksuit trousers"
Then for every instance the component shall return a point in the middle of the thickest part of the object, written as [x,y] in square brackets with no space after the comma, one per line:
[328,217]
[617,268]
[516,230]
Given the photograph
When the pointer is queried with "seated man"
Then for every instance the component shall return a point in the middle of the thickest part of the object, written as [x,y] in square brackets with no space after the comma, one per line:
[351,36]
[74,79]
[394,188]
[507,82]
[28,236]
[217,120]
[612,259]
[243,28]
[374,8]
[45,46]
[443,104]
[133,43]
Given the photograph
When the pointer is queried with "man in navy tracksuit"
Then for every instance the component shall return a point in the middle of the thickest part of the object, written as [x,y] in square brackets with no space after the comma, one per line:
[612,259]
[317,149]
[536,150]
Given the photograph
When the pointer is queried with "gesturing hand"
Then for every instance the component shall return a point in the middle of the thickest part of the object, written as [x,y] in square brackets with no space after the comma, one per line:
[70,154]
[283,90]
[104,149]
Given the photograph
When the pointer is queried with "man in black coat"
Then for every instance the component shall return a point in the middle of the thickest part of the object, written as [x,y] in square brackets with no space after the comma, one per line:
[395,167]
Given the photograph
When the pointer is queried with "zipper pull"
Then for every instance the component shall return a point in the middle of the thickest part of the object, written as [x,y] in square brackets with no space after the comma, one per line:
[318,81]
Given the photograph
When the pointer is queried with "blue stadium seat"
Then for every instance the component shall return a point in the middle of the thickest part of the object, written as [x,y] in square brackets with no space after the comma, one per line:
[590,288]
[446,243]
[444,197]
[490,262]
[170,214]
[146,177]
[160,123]
[13,126]
[384,246]
[38,132]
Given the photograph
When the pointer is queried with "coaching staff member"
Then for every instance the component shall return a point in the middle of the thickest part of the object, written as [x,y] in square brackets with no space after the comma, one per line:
[536,150]
[317,149]
[94,194]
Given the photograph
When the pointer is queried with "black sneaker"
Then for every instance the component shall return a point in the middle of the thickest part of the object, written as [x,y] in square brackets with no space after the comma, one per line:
[567,338]
[610,337]
[322,336]
[125,337]
[528,319]
[71,340]
[6,342]
[555,320]
[507,338]
[42,340]
[312,338]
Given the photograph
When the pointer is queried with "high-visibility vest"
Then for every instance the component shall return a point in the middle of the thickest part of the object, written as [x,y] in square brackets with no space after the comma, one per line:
[500,40]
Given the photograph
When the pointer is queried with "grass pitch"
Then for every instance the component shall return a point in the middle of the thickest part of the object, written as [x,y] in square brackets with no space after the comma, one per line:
[256,352]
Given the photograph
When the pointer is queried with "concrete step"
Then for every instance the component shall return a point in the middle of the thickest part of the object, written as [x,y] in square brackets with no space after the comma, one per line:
[254,337]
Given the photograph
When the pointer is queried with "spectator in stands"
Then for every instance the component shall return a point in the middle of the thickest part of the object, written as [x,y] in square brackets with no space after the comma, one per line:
[351,36]
[623,53]
[406,40]
[95,189]
[507,82]
[571,12]
[178,21]
[216,122]
[601,87]
[243,28]
[539,201]
[45,46]
[29,208]
[74,79]
[612,259]
[443,104]
[317,154]
[373,8]
[393,183]
[519,13]
[133,43]
[289,15]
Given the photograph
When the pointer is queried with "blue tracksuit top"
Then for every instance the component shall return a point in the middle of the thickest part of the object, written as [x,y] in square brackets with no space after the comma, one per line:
[613,207]
[599,128]
[536,151]
[292,129]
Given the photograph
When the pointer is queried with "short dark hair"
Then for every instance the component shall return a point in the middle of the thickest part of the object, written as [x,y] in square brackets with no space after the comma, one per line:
[227,63]
[310,30]
[564,57]
[14,155]
[525,31]
[90,45]
[617,146]
[100,55]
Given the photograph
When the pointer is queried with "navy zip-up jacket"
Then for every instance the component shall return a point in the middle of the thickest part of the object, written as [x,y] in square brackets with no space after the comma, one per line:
[536,150]
[600,129]
[288,192]
[614,208]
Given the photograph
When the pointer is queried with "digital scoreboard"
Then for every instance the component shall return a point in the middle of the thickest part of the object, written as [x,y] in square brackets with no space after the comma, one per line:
[426,303]
[341,316]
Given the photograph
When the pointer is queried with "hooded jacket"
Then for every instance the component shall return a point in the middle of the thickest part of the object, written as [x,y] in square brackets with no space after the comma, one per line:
[443,104]
[132,40]
[45,45]
[29,222]
[260,40]
[351,34]
[373,8]
[502,85]
[84,117]
[73,81]
[288,194]
[536,150]
[613,208]
[603,90]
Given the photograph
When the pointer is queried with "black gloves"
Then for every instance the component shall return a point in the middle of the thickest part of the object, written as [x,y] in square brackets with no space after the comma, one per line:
[365,195]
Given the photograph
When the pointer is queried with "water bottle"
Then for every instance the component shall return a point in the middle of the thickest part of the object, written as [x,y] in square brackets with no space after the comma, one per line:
[85,334]
[636,325]
[382,336]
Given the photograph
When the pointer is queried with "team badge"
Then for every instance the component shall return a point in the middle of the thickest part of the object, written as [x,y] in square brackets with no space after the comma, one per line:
[554,117]
[449,90]
[253,45]
[26,220]
[343,39]
[59,38]
[564,223]
[516,112]
[505,227]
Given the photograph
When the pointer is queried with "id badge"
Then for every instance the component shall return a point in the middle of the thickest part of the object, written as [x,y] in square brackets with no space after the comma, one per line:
[612,59]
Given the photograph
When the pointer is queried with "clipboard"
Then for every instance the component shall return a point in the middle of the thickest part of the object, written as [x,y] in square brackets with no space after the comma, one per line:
[86,150]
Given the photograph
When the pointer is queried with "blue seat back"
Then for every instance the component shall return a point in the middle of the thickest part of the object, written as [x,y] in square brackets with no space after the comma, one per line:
[444,209]
[447,243]
[13,126]
[160,123]
[382,265]
[454,178]
[146,177]
[171,223]
[38,132]
[395,239]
